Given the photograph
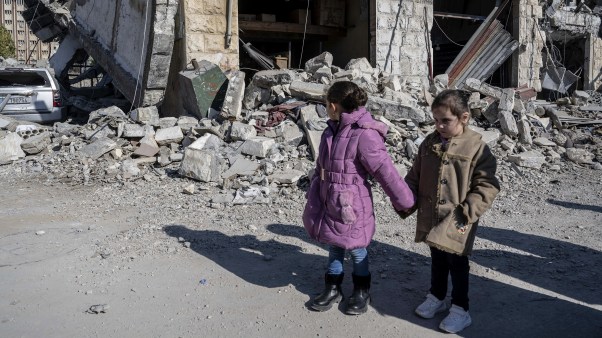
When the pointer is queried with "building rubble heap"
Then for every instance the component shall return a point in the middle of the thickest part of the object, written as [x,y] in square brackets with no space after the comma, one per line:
[265,143]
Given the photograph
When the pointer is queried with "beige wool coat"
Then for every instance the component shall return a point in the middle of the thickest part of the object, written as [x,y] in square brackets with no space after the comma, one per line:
[454,187]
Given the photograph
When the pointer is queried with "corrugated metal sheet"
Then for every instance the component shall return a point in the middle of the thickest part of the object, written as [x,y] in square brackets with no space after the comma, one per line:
[484,53]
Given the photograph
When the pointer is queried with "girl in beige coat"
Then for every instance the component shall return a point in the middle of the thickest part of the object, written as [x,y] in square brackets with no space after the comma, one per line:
[453,179]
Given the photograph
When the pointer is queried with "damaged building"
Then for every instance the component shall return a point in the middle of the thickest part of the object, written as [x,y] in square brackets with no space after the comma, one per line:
[142,46]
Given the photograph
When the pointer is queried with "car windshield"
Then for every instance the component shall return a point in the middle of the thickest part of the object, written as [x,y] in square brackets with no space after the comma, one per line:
[21,78]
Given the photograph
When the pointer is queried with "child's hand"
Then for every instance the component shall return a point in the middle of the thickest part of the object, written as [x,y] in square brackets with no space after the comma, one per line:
[405,213]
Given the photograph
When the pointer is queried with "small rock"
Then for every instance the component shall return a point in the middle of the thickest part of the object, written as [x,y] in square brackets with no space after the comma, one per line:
[189,189]
[40,232]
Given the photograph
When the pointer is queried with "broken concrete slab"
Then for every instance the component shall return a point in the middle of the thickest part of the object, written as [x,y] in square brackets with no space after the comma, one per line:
[252,195]
[508,123]
[147,147]
[320,61]
[112,112]
[579,156]
[241,167]
[361,64]
[10,148]
[308,114]
[169,135]
[308,91]
[129,169]
[286,177]
[242,131]
[199,164]
[347,75]
[98,148]
[146,115]
[269,78]
[232,107]
[257,146]
[323,75]
[393,110]
[529,159]
[544,142]
[101,132]
[164,157]
[35,144]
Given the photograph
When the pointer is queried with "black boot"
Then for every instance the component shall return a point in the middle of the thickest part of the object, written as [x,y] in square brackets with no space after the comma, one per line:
[360,299]
[332,293]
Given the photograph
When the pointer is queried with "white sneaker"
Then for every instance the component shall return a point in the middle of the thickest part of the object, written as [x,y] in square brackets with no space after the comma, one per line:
[456,321]
[430,307]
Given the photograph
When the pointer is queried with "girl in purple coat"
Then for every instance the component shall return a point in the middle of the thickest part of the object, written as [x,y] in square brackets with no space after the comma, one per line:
[339,210]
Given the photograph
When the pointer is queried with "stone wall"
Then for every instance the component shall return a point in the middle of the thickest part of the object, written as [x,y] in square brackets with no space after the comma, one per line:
[592,75]
[205,30]
[528,59]
[400,38]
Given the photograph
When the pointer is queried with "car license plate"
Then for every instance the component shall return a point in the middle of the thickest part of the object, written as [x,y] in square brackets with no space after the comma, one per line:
[17,99]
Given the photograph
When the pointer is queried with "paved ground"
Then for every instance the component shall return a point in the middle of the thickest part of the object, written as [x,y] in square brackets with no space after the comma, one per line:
[250,270]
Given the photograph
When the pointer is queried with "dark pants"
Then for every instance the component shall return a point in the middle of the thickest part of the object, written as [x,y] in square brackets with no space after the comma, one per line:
[443,264]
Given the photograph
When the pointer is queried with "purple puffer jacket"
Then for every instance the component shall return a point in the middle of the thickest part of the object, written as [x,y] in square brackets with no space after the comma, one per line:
[339,207]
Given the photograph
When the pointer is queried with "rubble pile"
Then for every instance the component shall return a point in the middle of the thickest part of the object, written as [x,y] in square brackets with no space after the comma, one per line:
[264,139]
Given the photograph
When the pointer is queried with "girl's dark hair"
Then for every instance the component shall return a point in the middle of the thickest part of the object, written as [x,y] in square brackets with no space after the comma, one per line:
[347,94]
[452,99]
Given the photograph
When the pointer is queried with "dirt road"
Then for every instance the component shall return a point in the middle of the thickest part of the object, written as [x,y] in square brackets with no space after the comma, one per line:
[250,270]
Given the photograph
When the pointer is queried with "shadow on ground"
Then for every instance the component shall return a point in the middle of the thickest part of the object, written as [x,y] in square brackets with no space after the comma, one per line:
[400,282]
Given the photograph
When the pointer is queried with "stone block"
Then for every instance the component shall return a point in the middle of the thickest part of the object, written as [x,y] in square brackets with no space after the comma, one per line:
[169,135]
[508,123]
[112,112]
[187,122]
[10,148]
[203,88]
[524,131]
[361,64]
[322,60]
[308,91]
[167,122]
[35,144]
[147,147]
[290,133]
[349,75]
[254,96]
[164,157]
[146,115]
[129,169]
[393,110]
[308,115]
[232,107]
[529,159]
[257,146]
[98,148]
[393,82]
[132,130]
[323,75]
[242,131]
[207,141]
[199,164]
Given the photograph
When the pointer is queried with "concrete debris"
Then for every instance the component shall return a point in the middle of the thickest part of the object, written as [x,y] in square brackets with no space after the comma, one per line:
[508,123]
[169,135]
[528,159]
[321,61]
[148,146]
[98,148]
[258,146]
[199,164]
[10,148]
[286,177]
[146,115]
[242,132]
[579,156]
[393,110]
[202,88]
[241,167]
[234,95]
[308,91]
[36,144]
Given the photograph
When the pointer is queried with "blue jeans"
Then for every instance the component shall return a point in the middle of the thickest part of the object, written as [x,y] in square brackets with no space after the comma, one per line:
[336,257]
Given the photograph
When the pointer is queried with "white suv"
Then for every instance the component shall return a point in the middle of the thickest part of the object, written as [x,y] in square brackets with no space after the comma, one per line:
[30,94]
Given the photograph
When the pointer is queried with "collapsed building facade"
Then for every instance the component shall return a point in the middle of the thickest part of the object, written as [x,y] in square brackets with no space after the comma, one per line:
[143,45]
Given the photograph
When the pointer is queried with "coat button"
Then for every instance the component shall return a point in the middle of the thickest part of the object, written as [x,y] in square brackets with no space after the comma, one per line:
[444,181]
[445,162]
[442,201]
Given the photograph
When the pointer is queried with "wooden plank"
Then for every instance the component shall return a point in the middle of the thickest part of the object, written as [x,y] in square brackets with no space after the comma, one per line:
[288,27]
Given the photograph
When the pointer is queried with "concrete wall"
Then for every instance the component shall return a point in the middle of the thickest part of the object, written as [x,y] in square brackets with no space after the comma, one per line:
[205,29]
[527,60]
[400,38]
[132,40]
